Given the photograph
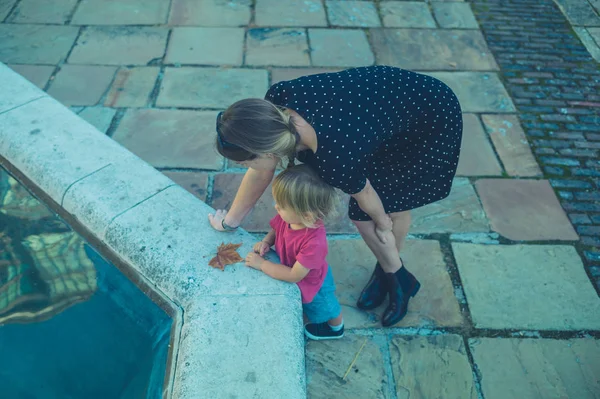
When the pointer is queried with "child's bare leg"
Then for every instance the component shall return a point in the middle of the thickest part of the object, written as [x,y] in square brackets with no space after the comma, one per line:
[336,321]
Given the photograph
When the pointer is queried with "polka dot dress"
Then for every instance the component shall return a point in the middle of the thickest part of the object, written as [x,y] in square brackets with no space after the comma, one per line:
[399,129]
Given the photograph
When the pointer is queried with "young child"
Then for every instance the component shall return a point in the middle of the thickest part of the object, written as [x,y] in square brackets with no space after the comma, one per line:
[302,200]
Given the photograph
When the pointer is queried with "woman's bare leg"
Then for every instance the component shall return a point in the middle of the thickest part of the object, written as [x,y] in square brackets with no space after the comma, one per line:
[386,254]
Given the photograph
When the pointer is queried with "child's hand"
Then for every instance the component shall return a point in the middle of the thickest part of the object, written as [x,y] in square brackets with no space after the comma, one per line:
[254,260]
[261,248]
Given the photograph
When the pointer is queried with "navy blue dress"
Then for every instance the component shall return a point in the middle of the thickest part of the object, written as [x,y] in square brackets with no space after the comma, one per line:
[399,129]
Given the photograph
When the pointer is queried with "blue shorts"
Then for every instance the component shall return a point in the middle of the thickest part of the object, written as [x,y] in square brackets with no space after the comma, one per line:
[324,305]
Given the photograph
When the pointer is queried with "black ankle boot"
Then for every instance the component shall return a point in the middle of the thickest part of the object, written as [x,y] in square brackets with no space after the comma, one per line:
[374,292]
[401,286]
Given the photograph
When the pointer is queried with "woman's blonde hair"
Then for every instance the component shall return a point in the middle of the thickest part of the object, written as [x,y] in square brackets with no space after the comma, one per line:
[301,190]
[253,127]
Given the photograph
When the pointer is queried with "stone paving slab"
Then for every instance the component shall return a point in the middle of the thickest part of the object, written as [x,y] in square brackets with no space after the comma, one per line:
[268,46]
[524,210]
[579,13]
[511,144]
[340,48]
[352,264]
[537,287]
[431,367]
[279,74]
[477,157]
[171,138]
[5,8]
[210,12]
[19,92]
[119,45]
[206,46]
[328,361]
[194,182]
[406,14]
[43,11]
[352,13]
[478,91]
[590,38]
[537,368]
[99,117]
[132,87]
[121,12]
[433,50]
[210,87]
[459,212]
[454,15]
[36,74]
[290,13]
[35,44]
[81,84]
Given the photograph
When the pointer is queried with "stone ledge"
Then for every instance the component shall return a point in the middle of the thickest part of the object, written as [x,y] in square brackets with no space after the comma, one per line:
[253,345]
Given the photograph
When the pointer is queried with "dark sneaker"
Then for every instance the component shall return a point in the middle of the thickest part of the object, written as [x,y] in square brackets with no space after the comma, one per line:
[322,331]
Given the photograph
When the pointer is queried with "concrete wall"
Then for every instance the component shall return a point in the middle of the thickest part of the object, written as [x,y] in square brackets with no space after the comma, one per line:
[241,332]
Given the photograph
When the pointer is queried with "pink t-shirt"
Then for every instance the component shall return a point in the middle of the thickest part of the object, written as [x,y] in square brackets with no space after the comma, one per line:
[307,246]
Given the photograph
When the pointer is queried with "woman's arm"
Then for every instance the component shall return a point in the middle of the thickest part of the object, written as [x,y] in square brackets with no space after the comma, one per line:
[252,187]
[371,204]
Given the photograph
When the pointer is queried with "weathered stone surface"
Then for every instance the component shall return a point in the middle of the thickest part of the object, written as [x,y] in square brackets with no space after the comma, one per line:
[477,156]
[326,372]
[579,13]
[35,44]
[81,84]
[428,49]
[132,87]
[231,353]
[119,45]
[352,13]
[121,12]
[226,186]
[459,212]
[171,138]
[107,193]
[406,14]
[455,15]
[279,74]
[340,48]
[590,38]
[5,8]
[431,367]
[524,210]
[43,11]
[267,46]
[435,305]
[99,117]
[290,13]
[36,74]
[210,87]
[477,91]
[206,46]
[527,287]
[210,12]
[194,182]
[19,92]
[511,144]
[537,368]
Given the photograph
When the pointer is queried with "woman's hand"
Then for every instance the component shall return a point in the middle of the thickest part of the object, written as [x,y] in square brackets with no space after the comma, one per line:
[216,220]
[254,260]
[383,230]
[261,248]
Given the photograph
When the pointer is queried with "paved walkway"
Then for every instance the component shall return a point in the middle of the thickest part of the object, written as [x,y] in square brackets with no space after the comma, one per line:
[509,262]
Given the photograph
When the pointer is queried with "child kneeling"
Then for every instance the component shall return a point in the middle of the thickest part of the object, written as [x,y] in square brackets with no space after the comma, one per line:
[302,201]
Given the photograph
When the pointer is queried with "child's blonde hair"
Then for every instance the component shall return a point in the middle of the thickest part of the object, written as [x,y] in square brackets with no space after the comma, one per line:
[301,190]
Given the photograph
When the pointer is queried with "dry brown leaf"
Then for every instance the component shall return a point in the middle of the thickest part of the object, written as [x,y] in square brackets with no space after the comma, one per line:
[226,255]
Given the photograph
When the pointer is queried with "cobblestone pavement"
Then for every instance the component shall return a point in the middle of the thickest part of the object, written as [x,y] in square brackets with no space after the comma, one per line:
[510,262]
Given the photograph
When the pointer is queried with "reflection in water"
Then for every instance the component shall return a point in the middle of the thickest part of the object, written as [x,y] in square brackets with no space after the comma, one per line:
[40,274]
[71,325]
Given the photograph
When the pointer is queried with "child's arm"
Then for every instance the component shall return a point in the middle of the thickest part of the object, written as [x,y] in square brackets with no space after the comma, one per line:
[265,245]
[276,270]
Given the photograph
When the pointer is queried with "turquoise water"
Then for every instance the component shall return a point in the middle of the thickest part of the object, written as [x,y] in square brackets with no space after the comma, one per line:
[71,324]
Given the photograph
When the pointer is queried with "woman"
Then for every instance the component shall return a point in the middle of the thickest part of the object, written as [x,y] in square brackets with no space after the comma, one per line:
[388,137]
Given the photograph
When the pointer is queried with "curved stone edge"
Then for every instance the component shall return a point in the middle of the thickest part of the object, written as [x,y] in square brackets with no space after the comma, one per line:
[253,346]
